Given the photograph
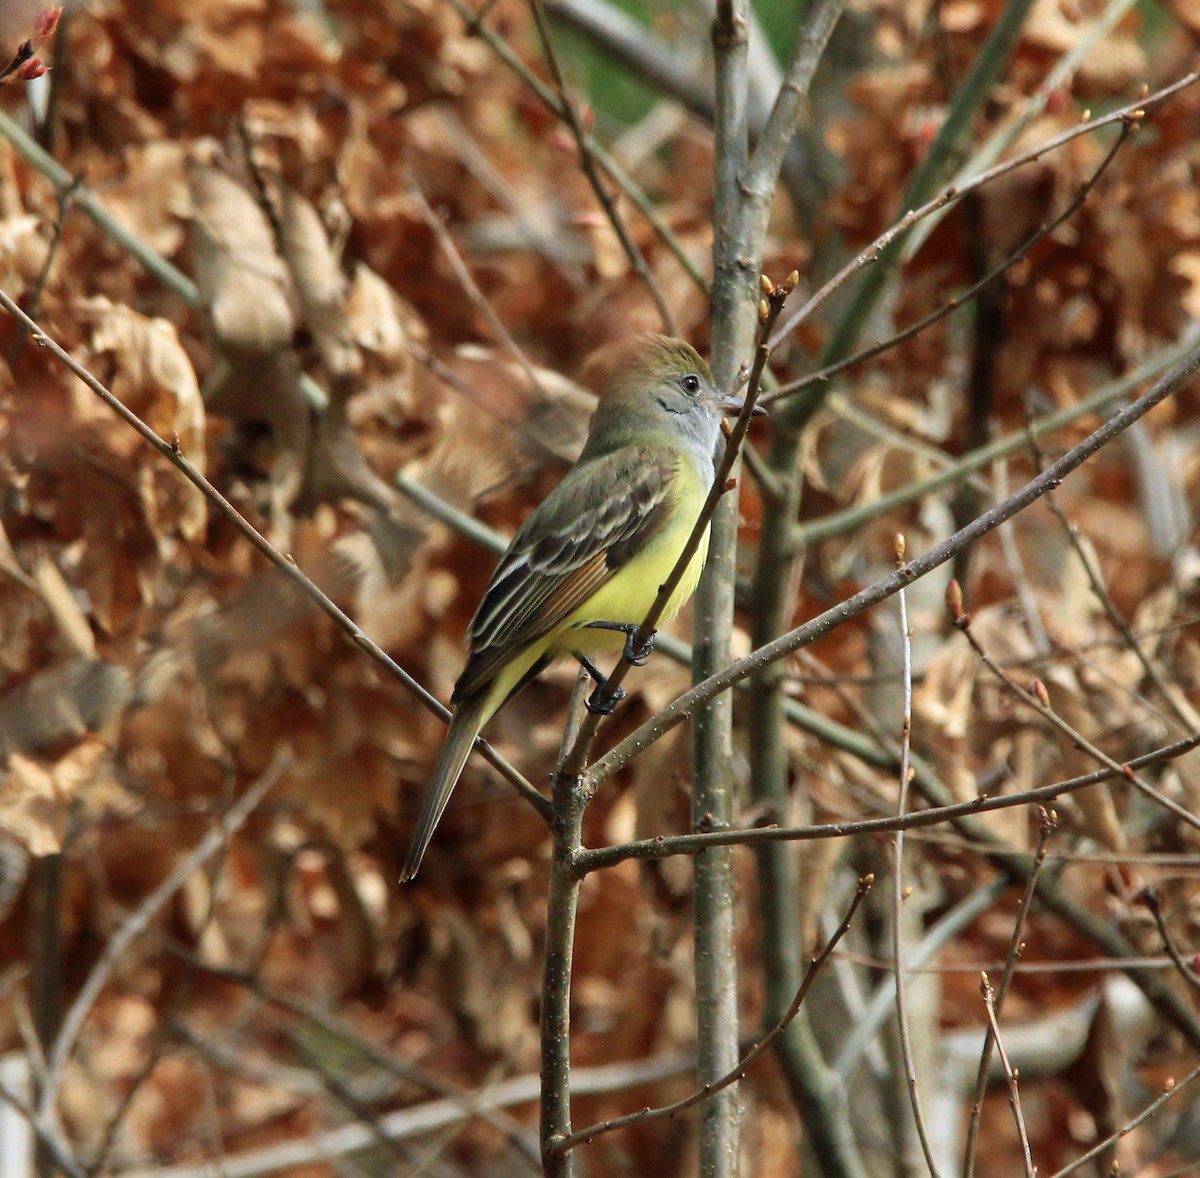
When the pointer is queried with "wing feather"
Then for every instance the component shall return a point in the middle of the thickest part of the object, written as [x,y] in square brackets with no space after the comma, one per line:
[568,548]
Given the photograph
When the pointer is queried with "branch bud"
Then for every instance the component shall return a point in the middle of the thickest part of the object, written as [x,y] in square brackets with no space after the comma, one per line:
[764,309]
[954,603]
[47,21]
[766,285]
[33,68]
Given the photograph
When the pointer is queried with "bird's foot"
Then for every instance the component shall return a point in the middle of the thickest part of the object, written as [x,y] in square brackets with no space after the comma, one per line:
[636,653]
[603,700]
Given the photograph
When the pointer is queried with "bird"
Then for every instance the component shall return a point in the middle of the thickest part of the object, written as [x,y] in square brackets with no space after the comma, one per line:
[583,570]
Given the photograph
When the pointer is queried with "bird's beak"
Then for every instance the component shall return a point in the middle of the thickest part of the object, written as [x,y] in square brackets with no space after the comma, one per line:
[732,406]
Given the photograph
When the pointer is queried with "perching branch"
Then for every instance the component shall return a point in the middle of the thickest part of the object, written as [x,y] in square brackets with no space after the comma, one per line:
[772,304]
[680,708]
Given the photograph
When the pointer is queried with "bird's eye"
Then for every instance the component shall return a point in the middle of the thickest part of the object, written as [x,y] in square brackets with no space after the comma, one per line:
[690,383]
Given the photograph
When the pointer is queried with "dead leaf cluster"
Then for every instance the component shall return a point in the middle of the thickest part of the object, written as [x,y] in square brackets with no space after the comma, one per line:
[324,175]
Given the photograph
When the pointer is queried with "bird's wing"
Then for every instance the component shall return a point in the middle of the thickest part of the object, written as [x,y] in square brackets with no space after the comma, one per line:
[570,546]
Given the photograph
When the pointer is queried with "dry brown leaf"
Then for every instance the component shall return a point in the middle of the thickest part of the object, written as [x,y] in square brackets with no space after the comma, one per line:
[376,317]
[39,796]
[24,246]
[244,284]
[320,287]
[150,372]
[152,200]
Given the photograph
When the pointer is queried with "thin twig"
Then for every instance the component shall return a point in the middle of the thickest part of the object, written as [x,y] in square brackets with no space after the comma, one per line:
[1171,1089]
[285,564]
[170,276]
[792,387]
[878,1009]
[34,297]
[336,1029]
[1131,113]
[139,919]
[680,708]
[467,281]
[898,890]
[300,1150]
[968,99]
[157,1048]
[853,519]
[1038,700]
[48,1135]
[1010,1074]
[587,161]
[1149,896]
[755,1053]
[1183,710]
[341,1092]
[615,173]
[663,847]
[1032,107]
[1047,824]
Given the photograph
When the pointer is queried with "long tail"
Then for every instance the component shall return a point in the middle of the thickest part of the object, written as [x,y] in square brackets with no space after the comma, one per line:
[469,717]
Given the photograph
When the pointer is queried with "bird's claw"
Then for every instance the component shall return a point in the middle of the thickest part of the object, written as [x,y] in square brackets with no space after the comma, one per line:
[636,653]
[603,700]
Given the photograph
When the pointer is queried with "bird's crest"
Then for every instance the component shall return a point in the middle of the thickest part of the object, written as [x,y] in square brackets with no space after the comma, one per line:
[657,356]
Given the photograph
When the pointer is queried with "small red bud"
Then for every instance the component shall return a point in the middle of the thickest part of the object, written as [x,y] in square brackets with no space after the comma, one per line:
[47,21]
[33,68]
[1040,693]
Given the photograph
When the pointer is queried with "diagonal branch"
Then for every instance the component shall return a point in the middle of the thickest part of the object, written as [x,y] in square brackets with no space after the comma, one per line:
[138,921]
[285,564]
[755,1053]
[815,30]
[587,161]
[679,709]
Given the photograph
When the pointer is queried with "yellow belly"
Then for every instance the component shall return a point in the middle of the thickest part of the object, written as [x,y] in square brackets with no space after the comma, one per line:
[628,596]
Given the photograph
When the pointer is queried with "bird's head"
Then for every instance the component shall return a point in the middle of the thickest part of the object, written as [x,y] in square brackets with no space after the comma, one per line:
[660,384]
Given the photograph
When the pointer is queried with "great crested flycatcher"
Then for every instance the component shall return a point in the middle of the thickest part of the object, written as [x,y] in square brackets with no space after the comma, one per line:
[587,564]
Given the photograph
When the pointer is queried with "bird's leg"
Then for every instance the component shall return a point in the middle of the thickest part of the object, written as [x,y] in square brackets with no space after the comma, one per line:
[636,653]
[601,702]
